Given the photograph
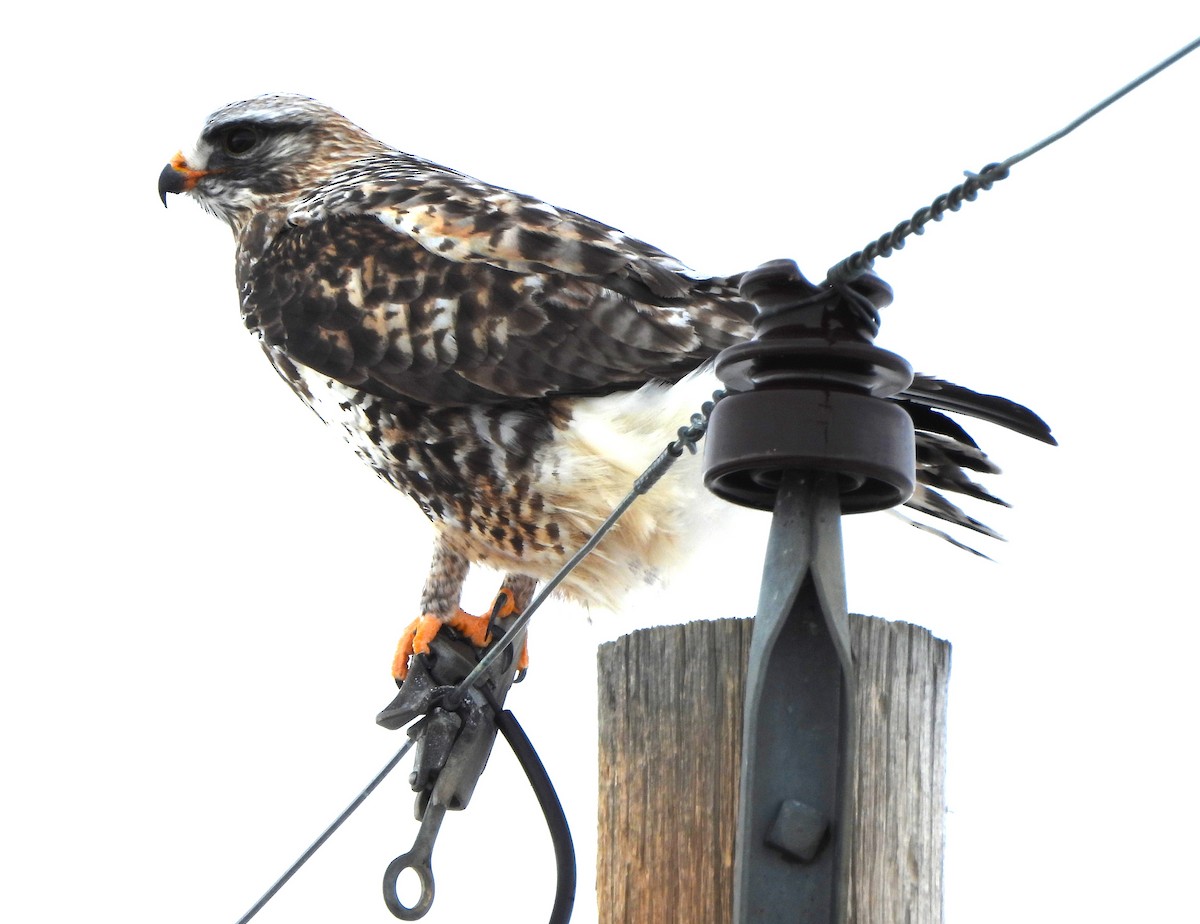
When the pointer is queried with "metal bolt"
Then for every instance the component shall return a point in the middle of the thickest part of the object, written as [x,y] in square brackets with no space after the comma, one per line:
[799,831]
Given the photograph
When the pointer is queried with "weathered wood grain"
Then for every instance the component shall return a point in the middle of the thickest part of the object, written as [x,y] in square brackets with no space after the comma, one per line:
[670,746]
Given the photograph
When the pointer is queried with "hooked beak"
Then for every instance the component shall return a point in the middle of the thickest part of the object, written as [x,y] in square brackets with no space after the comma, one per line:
[177,177]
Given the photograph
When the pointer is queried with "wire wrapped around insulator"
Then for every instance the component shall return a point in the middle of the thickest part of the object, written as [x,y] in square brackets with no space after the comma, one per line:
[893,240]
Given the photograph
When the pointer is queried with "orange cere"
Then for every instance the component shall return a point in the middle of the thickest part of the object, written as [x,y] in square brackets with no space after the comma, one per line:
[190,177]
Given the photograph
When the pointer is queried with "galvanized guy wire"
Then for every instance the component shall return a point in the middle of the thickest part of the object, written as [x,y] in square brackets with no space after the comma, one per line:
[414,734]
[952,201]
[1102,105]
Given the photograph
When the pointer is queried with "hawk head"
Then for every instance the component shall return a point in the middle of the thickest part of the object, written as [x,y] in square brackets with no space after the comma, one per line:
[264,151]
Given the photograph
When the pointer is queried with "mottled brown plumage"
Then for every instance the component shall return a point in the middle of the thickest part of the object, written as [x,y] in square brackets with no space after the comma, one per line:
[509,365]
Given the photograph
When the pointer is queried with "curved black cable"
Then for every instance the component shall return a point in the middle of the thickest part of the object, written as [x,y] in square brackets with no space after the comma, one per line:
[556,819]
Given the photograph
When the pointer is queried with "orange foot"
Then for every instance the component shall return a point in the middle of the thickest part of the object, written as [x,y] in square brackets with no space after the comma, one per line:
[422,631]
[418,636]
[504,607]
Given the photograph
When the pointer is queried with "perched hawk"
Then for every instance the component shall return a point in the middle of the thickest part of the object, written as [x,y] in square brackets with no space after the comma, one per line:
[510,365]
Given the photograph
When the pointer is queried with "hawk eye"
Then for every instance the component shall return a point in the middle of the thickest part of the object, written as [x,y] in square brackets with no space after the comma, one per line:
[240,140]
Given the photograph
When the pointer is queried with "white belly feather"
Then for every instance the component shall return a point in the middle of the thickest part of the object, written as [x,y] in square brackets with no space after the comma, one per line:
[593,465]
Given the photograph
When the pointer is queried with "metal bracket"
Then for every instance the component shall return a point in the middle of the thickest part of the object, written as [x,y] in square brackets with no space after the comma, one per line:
[797,754]
[805,431]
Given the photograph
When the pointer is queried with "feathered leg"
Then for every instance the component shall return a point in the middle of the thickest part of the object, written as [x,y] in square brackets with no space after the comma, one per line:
[440,607]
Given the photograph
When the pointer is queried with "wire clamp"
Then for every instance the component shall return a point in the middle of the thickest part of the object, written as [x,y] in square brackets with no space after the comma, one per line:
[453,749]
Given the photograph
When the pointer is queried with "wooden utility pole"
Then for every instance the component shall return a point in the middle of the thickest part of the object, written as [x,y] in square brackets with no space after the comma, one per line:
[671,702]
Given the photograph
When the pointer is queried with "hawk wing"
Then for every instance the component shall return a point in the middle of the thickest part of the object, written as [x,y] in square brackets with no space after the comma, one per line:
[409,281]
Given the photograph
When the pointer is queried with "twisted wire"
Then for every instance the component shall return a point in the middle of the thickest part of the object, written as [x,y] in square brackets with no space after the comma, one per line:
[887,244]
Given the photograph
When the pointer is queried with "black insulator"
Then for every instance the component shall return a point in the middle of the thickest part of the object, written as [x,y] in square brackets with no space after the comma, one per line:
[809,393]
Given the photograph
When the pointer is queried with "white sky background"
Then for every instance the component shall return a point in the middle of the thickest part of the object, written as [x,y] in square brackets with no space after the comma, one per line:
[203,587]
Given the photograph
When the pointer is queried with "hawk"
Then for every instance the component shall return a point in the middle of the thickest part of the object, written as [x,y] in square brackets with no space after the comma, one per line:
[510,365]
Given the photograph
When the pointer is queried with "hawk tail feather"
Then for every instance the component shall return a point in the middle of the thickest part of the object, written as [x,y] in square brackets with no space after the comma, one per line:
[930,502]
[946,396]
[941,534]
